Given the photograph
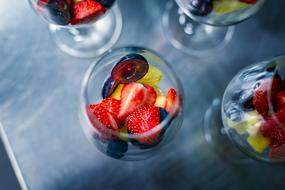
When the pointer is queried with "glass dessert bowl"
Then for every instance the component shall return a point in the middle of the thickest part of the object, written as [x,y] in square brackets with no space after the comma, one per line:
[131,103]
[81,28]
[197,27]
[253,110]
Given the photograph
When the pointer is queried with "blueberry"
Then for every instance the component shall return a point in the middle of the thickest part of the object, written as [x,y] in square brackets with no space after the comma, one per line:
[163,114]
[106,3]
[117,148]
[108,87]
[201,7]
[57,11]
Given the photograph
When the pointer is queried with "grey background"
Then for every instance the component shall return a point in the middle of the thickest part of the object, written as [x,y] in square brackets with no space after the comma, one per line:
[39,91]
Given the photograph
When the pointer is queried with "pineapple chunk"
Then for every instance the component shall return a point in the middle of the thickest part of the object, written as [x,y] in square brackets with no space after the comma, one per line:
[117,93]
[250,119]
[160,101]
[227,6]
[258,142]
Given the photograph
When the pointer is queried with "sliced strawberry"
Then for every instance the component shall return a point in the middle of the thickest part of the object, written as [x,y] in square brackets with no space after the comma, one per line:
[267,88]
[151,95]
[142,121]
[277,152]
[42,3]
[86,11]
[280,117]
[113,107]
[249,1]
[101,118]
[271,129]
[134,96]
[280,100]
[172,102]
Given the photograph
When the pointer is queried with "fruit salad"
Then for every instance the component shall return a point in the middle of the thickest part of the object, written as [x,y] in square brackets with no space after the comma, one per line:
[134,110]
[221,12]
[73,12]
[256,112]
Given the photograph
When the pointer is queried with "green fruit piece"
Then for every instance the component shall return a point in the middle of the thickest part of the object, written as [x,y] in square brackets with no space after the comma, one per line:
[160,101]
[124,130]
[227,6]
[258,142]
[152,77]
[157,90]
[240,127]
[117,93]
[249,120]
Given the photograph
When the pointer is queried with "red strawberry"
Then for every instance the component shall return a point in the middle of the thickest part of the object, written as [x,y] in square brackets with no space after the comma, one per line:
[277,152]
[42,3]
[86,11]
[280,116]
[249,1]
[276,132]
[151,95]
[101,118]
[280,100]
[172,102]
[261,96]
[113,107]
[142,121]
[134,96]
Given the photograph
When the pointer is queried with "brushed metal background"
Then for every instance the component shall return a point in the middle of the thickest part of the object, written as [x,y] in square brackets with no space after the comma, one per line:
[39,93]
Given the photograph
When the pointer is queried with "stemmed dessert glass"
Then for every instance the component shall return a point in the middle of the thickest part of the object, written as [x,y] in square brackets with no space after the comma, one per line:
[81,28]
[131,103]
[199,27]
[253,112]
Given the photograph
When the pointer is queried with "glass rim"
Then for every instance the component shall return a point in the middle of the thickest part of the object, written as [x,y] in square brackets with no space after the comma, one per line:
[84,99]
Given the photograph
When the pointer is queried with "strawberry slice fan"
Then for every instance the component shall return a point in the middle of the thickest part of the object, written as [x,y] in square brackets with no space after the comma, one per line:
[139,107]
[253,114]
[81,28]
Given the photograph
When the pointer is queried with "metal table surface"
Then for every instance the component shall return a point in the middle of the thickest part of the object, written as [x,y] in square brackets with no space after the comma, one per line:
[39,92]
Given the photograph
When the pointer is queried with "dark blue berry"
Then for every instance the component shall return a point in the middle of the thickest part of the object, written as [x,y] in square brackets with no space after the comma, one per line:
[106,3]
[201,7]
[163,114]
[109,87]
[117,148]
[57,11]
